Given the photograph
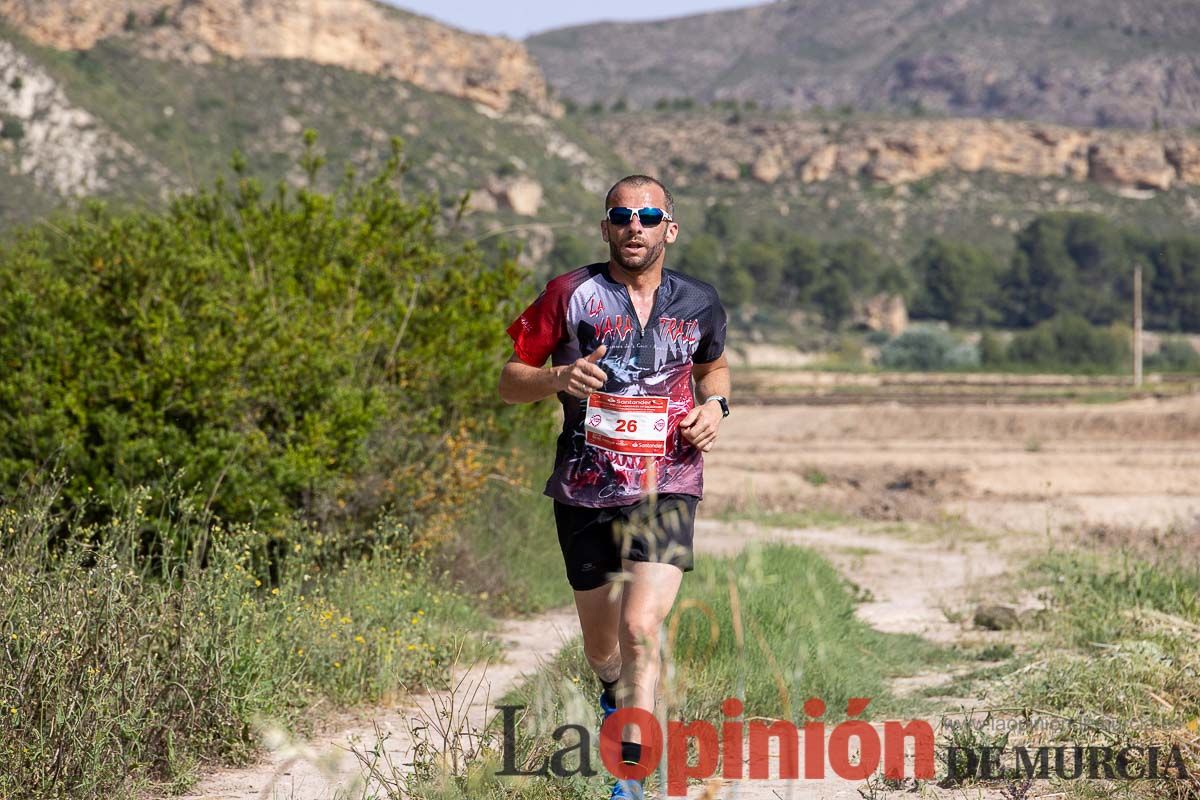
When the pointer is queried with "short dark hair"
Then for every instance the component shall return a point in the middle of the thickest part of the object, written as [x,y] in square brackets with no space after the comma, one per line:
[640,180]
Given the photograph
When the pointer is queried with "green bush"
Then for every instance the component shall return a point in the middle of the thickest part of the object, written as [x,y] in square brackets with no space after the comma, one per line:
[928,349]
[290,352]
[1174,355]
[111,676]
[11,128]
[1069,342]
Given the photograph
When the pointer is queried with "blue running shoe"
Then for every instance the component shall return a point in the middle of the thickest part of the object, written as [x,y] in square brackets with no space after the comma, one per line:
[627,790]
[606,708]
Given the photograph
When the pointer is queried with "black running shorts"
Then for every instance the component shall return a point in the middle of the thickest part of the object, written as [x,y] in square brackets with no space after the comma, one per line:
[594,540]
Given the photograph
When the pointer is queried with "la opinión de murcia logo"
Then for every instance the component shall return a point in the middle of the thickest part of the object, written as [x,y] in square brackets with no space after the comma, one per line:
[743,750]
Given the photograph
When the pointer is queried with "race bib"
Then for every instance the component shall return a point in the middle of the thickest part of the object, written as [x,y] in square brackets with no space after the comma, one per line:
[634,426]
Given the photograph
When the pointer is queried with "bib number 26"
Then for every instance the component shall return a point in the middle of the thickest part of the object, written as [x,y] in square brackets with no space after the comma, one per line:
[635,426]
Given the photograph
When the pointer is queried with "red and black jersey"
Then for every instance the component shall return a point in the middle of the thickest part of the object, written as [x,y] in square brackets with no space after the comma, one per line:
[602,458]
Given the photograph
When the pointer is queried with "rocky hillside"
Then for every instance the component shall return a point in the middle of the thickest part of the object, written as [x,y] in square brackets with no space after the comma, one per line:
[359,35]
[1104,63]
[132,100]
[772,148]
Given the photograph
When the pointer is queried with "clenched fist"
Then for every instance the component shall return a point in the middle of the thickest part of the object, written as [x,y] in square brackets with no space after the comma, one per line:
[584,376]
[700,426]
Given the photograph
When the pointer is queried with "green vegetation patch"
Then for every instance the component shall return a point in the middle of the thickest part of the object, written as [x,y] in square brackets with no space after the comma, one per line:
[117,674]
[1130,629]
[329,355]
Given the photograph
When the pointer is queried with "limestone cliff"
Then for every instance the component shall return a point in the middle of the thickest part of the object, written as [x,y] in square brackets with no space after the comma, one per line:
[901,151]
[358,35]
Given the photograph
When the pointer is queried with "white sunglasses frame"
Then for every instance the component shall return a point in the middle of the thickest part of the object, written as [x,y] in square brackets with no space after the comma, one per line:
[666,217]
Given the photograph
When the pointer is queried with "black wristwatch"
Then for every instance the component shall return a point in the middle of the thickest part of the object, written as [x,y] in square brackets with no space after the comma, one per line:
[720,399]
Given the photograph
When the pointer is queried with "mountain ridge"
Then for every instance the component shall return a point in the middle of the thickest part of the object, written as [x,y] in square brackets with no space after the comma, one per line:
[1103,63]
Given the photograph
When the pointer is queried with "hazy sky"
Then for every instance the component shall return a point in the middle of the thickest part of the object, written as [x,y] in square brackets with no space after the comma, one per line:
[519,18]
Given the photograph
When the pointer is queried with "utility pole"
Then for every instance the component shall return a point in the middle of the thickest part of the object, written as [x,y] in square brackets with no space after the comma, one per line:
[1137,326]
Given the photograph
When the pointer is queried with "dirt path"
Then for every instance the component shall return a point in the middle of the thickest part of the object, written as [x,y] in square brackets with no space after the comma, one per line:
[315,770]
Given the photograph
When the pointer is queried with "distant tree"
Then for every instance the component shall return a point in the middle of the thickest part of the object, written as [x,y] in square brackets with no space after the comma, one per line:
[894,279]
[802,266]
[1041,273]
[835,299]
[957,283]
[1172,283]
[699,256]
[856,260]
[1101,258]
[621,104]
[720,220]
[736,285]
[11,128]
[571,251]
[1067,264]
[765,263]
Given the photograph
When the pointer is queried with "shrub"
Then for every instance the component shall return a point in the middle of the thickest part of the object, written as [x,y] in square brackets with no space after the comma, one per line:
[289,353]
[11,128]
[113,674]
[927,349]
[1069,342]
[1175,355]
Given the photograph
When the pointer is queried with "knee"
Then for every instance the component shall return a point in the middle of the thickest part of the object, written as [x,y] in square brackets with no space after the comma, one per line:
[639,634]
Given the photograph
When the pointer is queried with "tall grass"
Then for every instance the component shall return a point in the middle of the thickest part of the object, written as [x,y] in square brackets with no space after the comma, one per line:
[507,549]
[117,674]
[1123,639]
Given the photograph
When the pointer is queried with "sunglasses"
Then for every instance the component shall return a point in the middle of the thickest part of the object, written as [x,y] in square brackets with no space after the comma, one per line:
[648,216]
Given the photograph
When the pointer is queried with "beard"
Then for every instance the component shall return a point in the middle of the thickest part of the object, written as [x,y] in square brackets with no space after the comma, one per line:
[637,263]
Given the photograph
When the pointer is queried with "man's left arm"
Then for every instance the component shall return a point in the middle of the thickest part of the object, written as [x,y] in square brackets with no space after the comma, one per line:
[702,423]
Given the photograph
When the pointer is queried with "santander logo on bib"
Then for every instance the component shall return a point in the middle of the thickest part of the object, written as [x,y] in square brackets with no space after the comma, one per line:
[628,425]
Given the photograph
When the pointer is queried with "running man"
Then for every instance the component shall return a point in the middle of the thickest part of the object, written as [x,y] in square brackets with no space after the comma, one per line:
[625,340]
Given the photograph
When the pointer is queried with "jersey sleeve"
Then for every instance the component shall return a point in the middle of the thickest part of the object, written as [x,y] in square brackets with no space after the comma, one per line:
[712,339]
[540,328]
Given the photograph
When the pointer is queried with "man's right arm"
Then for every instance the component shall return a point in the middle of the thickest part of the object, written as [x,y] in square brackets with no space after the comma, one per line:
[522,383]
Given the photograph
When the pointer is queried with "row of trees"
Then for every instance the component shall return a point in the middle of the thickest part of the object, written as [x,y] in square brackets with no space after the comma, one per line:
[1078,264]
[1061,263]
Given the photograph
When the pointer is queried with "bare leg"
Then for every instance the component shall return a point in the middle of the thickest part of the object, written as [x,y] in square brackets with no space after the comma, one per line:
[649,592]
[599,617]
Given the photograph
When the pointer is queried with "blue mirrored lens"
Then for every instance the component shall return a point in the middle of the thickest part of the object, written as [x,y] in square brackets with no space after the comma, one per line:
[620,215]
[650,216]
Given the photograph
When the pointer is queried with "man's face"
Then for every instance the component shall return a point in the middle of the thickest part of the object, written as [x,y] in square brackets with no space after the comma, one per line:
[633,247]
